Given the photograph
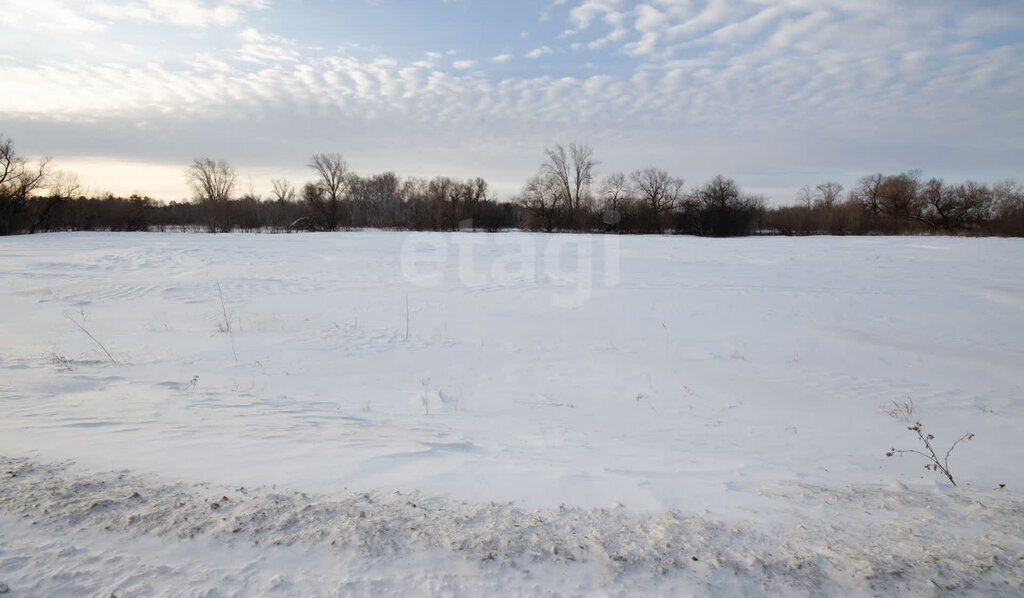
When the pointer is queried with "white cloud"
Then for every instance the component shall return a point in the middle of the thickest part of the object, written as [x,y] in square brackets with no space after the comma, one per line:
[429,61]
[545,13]
[193,13]
[538,52]
[47,15]
[207,62]
[251,35]
[262,48]
[69,15]
[583,15]
[746,28]
[982,21]
[833,75]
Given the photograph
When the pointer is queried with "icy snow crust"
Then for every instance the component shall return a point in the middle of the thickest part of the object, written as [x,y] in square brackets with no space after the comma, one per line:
[396,413]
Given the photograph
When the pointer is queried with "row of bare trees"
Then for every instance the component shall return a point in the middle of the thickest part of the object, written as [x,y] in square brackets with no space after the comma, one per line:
[565,194]
[903,203]
[338,198]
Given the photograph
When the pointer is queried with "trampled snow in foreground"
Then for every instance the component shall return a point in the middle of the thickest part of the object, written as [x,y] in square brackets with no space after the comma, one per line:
[398,413]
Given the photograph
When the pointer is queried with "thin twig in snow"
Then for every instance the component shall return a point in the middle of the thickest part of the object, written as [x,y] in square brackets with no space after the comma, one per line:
[94,339]
[227,323]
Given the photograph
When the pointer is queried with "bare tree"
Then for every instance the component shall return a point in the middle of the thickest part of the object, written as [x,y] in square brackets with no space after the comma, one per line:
[314,196]
[827,195]
[282,190]
[451,204]
[658,192]
[475,193]
[805,196]
[724,210]
[64,187]
[18,182]
[898,195]
[1008,196]
[212,184]
[442,197]
[972,204]
[416,206]
[540,197]
[894,197]
[616,199]
[938,204]
[1008,207]
[211,180]
[571,176]
[582,159]
[378,198]
[868,193]
[332,171]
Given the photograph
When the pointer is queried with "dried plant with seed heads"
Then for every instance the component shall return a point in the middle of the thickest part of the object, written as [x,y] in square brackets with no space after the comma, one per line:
[905,411]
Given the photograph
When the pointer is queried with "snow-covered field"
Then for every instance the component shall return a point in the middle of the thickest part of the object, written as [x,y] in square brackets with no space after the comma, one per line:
[465,414]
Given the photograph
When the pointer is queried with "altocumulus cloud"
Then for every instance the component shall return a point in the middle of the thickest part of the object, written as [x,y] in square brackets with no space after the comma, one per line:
[773,92]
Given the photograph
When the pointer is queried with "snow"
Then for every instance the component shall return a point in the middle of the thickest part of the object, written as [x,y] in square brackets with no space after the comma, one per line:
[630,401]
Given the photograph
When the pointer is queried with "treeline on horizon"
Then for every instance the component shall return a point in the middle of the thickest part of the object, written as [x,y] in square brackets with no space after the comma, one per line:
[564,195]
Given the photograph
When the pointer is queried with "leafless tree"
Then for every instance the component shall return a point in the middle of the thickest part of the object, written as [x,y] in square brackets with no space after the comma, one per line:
[213,183]
[313,195]
[64,187]
[541,198]
[899,193]
[475,193]
[720,192]
[658,193]
[1008,196]
[282,190]
[868,193]
[211,180]
[972,204]
[415,206]
[376,200]
[442,196]
[616,199]
[332,171]
[1008,207]
[571,175]
[454,198]
[453,203]
[18,182]
[938,201]
[724,210]
[827,195]
[806,196]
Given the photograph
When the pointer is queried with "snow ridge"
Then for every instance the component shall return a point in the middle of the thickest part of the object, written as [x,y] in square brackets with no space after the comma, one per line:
[868,540]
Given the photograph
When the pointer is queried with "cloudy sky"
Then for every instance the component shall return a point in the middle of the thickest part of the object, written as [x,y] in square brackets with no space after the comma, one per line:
[775,93]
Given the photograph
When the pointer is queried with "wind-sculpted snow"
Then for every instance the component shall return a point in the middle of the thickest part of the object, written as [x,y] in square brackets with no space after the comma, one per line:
[866,540]
[596,409]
